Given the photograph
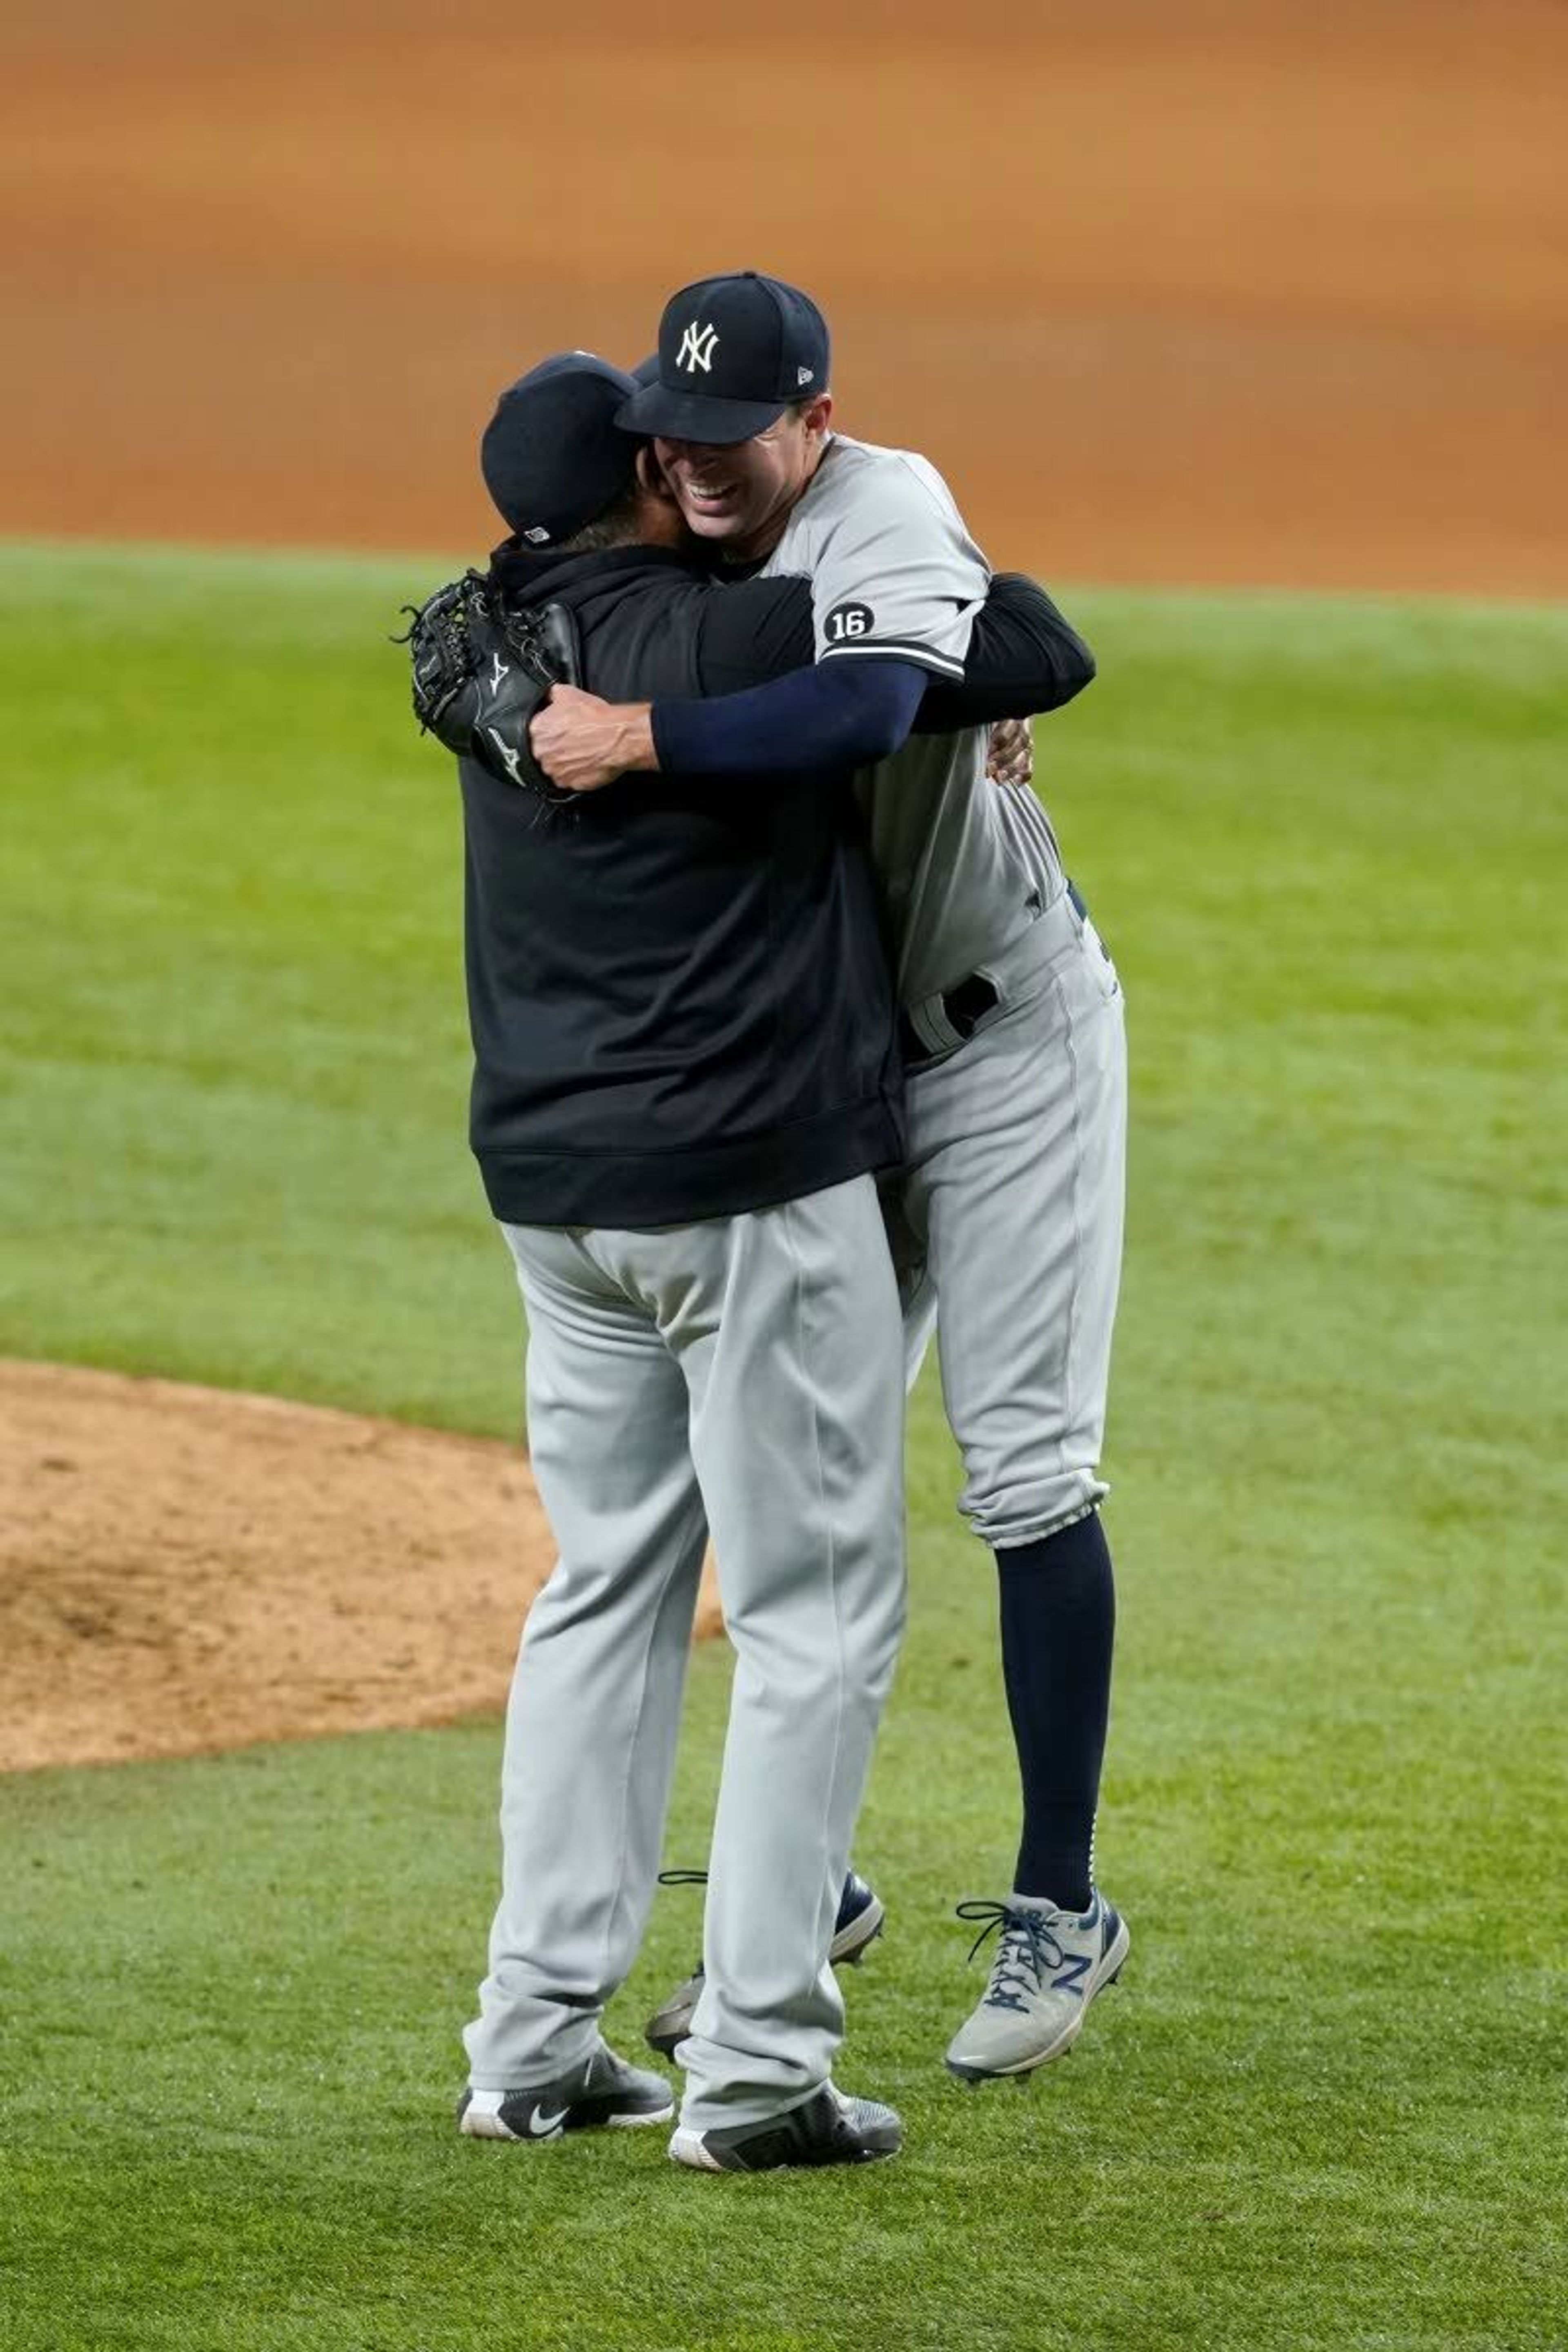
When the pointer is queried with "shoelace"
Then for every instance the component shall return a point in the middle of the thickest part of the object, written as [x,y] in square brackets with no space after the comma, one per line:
[693,1878]
[685,1878]
[1026,1948]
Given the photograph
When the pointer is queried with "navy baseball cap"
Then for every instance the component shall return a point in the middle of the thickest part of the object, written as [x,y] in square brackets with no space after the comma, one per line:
[733,354]
[551,456]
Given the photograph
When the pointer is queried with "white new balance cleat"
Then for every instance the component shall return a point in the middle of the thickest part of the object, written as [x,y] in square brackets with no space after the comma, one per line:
[1048,1967]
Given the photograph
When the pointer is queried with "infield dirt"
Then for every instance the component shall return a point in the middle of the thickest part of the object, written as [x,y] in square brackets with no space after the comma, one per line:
[183,1570]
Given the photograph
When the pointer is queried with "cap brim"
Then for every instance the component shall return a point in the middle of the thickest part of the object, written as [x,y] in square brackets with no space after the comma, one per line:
[696,416]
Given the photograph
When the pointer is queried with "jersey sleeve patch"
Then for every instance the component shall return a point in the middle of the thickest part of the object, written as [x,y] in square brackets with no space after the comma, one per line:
[846,622]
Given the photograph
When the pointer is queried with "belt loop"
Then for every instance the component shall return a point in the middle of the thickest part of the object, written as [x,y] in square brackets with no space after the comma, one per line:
[927,1030]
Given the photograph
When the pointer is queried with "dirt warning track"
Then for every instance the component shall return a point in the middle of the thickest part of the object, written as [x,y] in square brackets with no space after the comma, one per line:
[1241,291]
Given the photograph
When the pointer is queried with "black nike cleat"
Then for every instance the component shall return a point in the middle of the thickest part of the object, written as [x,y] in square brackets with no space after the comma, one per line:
[603,2090]
[827,2129]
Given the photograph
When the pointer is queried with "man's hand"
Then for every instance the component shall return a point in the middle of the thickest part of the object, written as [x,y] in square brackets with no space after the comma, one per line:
[582,743]
[1010,755]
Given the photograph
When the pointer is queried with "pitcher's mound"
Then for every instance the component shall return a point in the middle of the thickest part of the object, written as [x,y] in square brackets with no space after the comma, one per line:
[182,1568]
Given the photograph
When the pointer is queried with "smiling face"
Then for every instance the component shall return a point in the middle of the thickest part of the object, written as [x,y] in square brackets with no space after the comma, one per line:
[741,495]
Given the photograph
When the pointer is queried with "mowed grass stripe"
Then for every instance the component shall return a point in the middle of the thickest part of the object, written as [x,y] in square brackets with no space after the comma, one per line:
[1324,2108]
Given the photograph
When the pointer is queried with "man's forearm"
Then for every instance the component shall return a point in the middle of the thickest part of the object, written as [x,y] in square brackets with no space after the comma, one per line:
[840,714]
[844,713]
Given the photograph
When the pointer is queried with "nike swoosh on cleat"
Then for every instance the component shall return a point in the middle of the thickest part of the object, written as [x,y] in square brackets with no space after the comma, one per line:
[544,2127]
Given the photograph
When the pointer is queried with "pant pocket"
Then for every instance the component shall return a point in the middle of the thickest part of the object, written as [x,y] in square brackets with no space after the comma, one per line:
[1097,964]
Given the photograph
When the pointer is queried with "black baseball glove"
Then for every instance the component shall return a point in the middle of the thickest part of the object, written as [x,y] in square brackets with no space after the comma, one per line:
[480,672]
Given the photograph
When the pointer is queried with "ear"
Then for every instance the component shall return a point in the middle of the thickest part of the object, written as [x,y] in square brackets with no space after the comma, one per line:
[650,476]
[819,414]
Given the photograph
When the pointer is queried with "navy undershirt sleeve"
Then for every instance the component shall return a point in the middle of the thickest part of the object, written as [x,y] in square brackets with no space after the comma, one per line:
[1024,656]
[838,714]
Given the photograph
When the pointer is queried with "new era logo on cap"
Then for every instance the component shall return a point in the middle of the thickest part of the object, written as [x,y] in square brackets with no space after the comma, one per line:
[733,353]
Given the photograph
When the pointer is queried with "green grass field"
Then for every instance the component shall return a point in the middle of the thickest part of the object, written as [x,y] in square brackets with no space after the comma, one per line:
[1325,2106]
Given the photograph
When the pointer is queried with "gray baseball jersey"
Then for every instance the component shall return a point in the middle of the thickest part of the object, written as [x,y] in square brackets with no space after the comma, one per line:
[965,866]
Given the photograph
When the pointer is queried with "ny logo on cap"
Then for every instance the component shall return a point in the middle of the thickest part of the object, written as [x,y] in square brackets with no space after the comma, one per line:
[697,348]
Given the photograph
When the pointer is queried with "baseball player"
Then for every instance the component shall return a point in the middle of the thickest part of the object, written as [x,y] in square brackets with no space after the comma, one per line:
[1010,1215]
[684,1077]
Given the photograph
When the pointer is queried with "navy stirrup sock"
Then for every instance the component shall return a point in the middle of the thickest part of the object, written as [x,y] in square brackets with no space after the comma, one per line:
[1059,1625]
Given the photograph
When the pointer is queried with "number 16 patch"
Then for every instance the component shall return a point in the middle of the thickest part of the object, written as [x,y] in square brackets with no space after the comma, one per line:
[846,621]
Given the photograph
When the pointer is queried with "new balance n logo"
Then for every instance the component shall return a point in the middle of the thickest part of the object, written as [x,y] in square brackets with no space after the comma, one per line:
[697,348]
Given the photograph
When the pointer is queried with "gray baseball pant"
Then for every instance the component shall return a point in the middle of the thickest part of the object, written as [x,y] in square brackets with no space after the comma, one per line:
[1007,1223]
[742,1376]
